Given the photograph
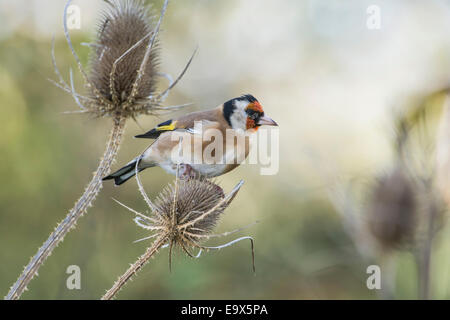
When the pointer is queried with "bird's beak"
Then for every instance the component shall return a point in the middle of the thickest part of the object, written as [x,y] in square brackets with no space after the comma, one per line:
[266,121]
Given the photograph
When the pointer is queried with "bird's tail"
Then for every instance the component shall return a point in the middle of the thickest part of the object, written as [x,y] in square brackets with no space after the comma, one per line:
[124,173]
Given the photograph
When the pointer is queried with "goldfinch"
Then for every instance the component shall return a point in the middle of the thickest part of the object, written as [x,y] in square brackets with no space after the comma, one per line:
[242,116]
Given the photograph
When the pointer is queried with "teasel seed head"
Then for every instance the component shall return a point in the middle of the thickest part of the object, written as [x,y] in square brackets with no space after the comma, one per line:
[184,214]
[123,25]
[185,203]
[123,63]
[392,214]
[187,211]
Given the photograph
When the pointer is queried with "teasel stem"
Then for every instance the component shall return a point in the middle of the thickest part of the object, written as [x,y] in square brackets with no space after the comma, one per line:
[424,254]
[76,212]
[388,266]
[135,267]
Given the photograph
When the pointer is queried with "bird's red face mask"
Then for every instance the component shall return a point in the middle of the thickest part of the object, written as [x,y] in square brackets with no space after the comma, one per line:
[256,117]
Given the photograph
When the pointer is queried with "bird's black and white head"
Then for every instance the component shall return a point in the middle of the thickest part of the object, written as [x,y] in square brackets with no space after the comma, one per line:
[245,113]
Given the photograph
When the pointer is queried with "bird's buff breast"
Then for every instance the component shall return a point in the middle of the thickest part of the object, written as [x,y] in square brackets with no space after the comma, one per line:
[202,157]
[207,170]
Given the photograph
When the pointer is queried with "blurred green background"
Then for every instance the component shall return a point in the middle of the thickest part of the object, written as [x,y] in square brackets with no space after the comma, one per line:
[331,83]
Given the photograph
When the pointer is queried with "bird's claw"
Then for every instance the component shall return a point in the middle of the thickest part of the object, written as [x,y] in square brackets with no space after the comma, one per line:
[187,172]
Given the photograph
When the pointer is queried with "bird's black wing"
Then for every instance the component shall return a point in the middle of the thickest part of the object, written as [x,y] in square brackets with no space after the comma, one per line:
[168,125]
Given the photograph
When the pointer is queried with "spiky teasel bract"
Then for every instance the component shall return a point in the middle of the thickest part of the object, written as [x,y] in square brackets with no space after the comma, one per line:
[184,214]
[121,84]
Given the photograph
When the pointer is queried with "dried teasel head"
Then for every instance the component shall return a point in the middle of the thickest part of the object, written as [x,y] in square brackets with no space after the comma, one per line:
[185,214]
[392,214]
[122,26]
[123,63]
[190,208]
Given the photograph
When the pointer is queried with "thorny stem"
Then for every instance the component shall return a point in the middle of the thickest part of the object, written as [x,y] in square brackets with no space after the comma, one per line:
[76,212]
[135,267]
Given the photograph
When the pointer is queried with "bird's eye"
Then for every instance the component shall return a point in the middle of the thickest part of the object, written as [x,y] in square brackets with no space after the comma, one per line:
[253,116]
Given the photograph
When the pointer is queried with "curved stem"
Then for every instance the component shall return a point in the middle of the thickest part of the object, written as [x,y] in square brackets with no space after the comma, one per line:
[76,212]
[134,268]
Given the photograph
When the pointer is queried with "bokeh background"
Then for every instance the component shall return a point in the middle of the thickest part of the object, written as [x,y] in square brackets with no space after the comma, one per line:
[333,85]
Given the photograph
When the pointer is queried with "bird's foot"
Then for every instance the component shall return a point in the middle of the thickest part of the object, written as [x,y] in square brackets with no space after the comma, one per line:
[186,172]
